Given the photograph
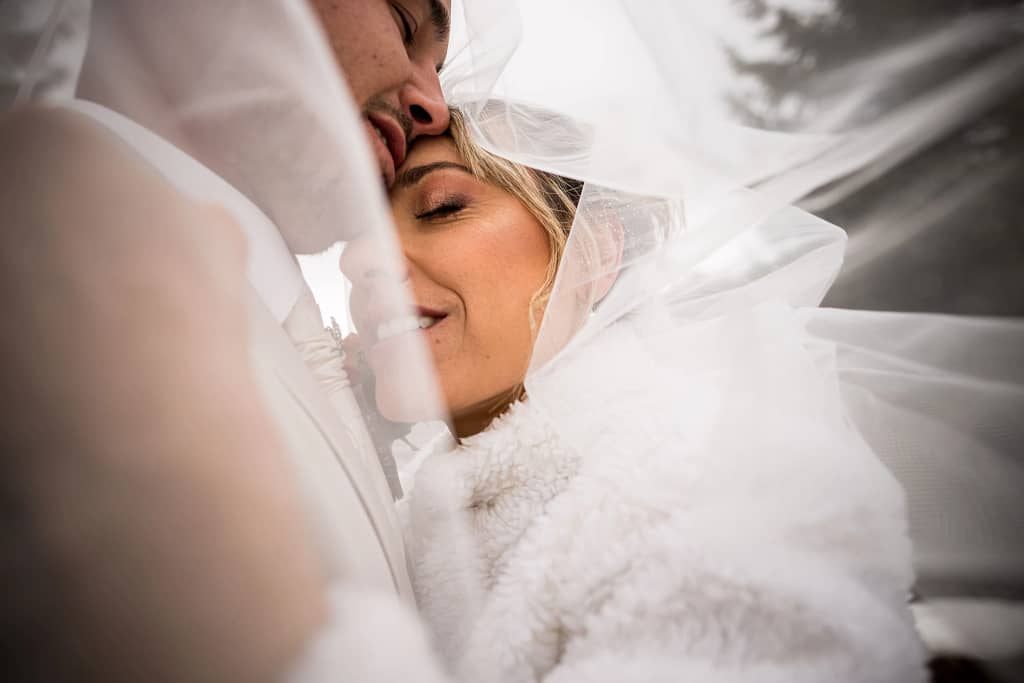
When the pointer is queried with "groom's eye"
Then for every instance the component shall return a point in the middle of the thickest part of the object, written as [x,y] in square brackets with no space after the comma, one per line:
[406,23]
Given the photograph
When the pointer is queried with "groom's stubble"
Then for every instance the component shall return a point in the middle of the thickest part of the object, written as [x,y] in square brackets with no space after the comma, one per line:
[390,54]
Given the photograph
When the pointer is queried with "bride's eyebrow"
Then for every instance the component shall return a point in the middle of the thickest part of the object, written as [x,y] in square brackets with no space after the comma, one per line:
[411,176]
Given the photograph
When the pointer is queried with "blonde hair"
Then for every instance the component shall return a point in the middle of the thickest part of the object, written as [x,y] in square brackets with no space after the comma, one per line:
[550,198]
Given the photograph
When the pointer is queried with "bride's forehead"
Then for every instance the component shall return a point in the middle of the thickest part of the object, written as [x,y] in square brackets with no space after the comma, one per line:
[432,148]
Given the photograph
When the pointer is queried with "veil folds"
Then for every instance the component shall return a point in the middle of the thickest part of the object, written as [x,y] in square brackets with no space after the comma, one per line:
[694,150]
[239,104]
[700,131]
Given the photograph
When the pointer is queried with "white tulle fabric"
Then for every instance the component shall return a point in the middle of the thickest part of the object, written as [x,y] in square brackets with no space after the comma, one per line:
[688,209]
[238,104]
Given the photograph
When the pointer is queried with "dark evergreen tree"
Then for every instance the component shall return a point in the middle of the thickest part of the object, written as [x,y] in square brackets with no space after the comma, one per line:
[963,259]
[810,45]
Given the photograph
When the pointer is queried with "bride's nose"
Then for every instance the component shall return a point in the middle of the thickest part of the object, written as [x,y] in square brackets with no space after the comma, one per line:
[367,261]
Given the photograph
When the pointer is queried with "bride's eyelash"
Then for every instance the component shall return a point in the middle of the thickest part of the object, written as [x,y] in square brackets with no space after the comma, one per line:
[447,207]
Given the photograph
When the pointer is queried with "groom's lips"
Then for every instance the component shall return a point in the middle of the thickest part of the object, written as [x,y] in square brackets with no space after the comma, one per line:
[393,145]
[381,152]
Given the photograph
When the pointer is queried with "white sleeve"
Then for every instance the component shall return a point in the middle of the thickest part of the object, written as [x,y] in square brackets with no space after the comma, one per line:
[794,567]
[369,636]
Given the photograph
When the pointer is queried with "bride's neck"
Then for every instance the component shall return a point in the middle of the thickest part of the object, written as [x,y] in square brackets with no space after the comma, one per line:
[479,416]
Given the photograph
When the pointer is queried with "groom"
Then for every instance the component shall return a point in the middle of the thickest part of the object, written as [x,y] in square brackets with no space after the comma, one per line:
[148,403]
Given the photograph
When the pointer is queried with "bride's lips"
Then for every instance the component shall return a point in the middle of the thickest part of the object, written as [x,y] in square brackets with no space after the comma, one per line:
[376,327]
[391,150]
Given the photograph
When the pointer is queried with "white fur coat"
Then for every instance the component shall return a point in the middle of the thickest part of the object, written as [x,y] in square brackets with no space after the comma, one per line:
[534,562]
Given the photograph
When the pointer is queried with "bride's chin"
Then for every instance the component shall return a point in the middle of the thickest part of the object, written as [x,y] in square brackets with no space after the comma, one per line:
[407,395]
[404,406]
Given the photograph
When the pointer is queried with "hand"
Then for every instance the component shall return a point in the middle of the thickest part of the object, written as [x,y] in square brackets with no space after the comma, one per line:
[356,367]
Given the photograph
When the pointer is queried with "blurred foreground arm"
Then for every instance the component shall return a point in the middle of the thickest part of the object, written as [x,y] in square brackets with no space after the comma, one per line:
[148,532]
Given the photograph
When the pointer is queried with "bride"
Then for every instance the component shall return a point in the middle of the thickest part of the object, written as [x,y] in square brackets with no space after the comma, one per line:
[667,459]
[643,484]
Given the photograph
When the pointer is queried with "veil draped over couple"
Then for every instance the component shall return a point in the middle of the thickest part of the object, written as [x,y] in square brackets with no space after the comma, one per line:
[661,458]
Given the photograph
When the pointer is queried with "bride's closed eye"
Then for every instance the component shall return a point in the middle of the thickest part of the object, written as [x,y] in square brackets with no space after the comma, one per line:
[444,206]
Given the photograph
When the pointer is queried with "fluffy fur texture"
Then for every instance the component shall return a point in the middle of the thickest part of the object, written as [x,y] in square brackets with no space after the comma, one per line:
[777,561]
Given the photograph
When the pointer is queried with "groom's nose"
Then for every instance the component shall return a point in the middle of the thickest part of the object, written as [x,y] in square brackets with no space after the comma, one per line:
[421,98]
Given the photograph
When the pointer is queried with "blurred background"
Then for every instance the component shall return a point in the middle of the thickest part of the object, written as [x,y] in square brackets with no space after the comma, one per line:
[939,230]
[935,227]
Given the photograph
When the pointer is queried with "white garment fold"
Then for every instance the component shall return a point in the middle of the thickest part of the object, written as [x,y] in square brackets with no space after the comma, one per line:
[716,519]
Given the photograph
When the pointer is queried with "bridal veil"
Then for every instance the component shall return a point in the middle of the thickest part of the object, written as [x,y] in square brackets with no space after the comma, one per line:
[252,92]
[701,129]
